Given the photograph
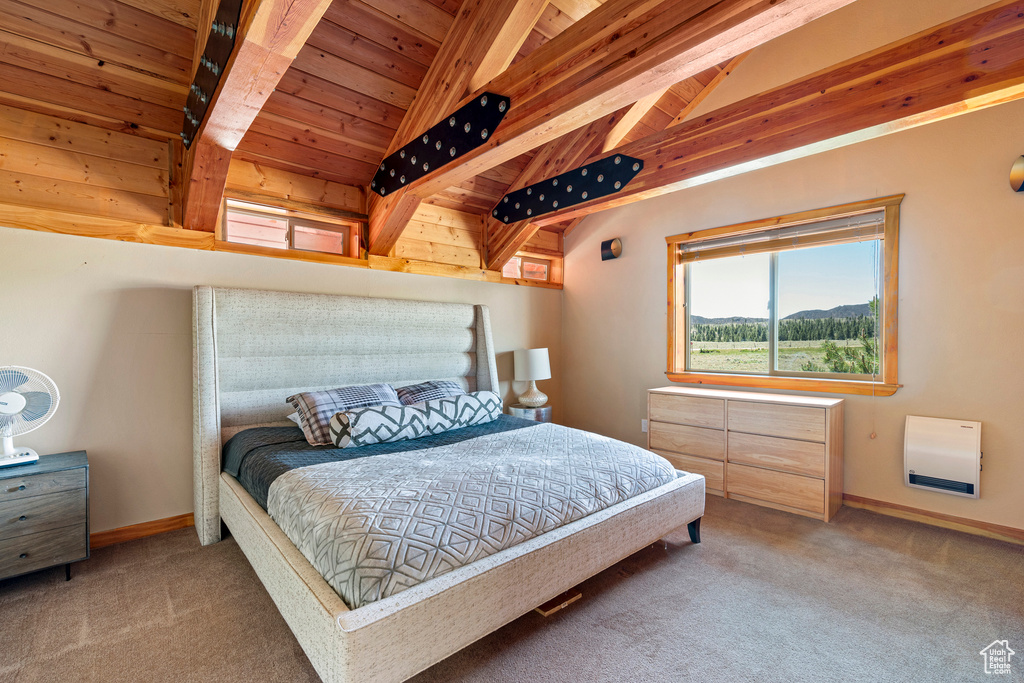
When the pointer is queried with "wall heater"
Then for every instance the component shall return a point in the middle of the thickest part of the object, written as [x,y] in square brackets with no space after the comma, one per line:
[942,455]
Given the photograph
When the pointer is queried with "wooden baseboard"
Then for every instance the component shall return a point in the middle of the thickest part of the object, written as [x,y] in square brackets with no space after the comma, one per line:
[101,539]
[970,526]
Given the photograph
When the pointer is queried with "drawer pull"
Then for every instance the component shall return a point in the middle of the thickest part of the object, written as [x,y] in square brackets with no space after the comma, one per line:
[22,518]
[13,489]
[23,555]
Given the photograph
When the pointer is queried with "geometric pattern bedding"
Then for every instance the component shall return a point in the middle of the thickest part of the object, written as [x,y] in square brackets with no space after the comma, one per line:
[376,526]
[378,424]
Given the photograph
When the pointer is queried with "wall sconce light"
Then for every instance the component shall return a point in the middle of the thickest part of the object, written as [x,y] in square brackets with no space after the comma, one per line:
[611,249]
[1017,175]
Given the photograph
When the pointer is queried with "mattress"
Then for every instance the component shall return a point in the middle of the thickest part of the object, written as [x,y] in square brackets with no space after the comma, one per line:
[257,457]
[376,526]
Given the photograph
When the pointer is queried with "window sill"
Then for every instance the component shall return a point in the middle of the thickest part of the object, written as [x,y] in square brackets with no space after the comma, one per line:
[832,386]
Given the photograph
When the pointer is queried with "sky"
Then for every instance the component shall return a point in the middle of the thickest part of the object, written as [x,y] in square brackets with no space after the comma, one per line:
[815,278]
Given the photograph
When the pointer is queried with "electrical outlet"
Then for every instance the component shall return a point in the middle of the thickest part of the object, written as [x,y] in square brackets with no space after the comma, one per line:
[643,426]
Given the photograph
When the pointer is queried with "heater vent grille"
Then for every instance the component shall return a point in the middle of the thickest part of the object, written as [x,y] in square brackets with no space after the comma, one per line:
[944,484]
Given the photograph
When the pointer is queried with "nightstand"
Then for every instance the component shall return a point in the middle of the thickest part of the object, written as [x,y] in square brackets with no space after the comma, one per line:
[44,514]
[542,414]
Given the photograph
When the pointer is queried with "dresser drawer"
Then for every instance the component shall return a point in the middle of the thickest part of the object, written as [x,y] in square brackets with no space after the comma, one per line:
[41,513]
[687,410]
[790,422]
[792,490]
[38,484]
[712,470]
[37,551]
[799,457]
[699,441]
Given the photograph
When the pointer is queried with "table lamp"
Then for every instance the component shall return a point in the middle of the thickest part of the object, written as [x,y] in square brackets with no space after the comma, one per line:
[532,365]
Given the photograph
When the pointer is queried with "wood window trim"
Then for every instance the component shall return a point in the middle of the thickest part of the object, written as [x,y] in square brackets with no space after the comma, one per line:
[889,341]
[351,229]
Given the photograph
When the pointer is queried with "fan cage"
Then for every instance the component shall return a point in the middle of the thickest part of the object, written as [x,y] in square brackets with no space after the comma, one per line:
[40,393]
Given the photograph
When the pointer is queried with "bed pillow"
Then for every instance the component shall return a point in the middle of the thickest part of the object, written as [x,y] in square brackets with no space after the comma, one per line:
[380,424]
[316,408]
[429,391]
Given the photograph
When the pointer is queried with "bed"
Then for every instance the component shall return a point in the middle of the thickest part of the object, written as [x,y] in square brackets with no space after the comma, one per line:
[253,348]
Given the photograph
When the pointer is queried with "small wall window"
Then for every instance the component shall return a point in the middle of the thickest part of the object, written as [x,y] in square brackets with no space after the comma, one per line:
[527,268]
[806,301]
[265,226]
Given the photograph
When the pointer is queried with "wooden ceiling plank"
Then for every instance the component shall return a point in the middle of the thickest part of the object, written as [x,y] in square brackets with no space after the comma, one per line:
[127,22]
[317,138]
[289,151]
[269,39]
[65,93]
[73,66]
[617,54]
[576,9]
[421,16]
[460,61]
[964,65]
[317,91]
[51,131]
[354,48]
[272,182]
[183,12]
[353,76]
[242,154]
[35,159]
[60,31]
[103,121]
[303,113]
[383,30]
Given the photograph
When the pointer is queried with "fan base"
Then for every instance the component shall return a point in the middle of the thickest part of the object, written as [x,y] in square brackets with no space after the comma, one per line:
[23,456]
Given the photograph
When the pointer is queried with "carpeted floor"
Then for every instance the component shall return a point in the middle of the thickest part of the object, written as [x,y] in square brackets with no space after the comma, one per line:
[767,596]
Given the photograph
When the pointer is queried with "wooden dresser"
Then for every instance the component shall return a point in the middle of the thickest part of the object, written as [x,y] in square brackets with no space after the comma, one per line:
[777,450]
[44,514]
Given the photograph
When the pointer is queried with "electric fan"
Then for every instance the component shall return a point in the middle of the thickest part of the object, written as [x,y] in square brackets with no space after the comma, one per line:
[28,398]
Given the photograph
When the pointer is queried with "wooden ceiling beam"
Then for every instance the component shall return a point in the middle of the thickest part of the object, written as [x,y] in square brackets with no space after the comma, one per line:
[270,37]
[972,62]
[470,53]
[508,242]
[617,54]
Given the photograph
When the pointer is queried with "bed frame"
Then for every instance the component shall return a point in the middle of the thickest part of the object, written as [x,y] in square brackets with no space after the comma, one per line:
[253,348]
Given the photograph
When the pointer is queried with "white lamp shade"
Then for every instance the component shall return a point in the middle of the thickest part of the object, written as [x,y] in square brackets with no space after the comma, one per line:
[532,364]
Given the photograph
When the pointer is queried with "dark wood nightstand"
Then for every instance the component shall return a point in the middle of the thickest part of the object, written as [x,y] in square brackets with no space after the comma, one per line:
[44,514]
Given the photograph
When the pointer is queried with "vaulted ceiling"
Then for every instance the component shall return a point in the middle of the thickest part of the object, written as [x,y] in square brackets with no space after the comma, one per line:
[326,89]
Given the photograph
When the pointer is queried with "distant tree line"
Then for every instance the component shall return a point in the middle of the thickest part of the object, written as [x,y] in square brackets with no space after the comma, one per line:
[804,329]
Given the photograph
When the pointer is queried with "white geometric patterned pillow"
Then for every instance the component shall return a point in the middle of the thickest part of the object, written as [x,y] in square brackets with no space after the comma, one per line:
[380,424]
[429,391]
[315,408]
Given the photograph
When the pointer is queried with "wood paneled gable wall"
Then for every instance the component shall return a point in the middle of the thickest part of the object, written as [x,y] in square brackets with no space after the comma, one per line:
[318,92]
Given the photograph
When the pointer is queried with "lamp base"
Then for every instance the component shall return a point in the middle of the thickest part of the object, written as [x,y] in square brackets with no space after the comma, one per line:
[533,397]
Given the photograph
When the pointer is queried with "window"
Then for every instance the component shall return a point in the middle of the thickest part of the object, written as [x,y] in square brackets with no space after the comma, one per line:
[523,267]
[266,226]
[806,301]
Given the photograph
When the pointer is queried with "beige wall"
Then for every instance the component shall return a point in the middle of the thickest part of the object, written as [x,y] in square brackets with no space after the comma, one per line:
[110,323]
[961,315]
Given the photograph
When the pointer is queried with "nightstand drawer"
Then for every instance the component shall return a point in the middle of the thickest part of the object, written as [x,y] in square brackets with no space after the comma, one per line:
[37,551]
[791,490]
[38,484]
[712,470]
[699,441]
[799,457]
[789,422]
[41,513]
[688,410]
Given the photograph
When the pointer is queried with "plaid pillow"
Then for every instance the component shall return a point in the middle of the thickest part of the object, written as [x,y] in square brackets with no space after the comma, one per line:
[429,391]
[316,408]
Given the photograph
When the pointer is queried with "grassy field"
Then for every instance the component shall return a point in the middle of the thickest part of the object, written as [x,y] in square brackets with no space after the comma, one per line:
[752,357]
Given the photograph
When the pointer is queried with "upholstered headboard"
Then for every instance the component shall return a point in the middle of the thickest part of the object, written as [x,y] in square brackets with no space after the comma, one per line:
[252,349]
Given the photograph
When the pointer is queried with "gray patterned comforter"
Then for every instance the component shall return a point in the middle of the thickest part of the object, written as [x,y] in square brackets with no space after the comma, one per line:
[376,526]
